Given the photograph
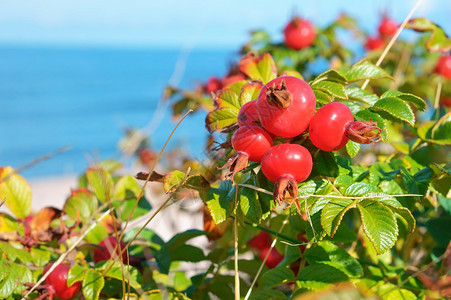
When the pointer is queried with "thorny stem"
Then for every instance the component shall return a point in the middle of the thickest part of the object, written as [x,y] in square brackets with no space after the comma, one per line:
[393,39]
[266,257]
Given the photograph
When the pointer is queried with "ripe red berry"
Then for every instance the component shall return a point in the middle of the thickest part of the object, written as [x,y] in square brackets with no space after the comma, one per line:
[333,125]
[444,66]
[248,114]
[250,143]
[387,27]
[328,126]
[299,33]
[274,257]
[56,282]
[286,165]
[213,84]
[106,250]
[285,106]
[445,101]
[260,241]
[374,43]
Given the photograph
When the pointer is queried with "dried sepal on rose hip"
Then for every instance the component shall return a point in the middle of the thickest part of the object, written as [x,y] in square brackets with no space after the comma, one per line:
[250,143]
[333,126]
[285,106]
[286,165]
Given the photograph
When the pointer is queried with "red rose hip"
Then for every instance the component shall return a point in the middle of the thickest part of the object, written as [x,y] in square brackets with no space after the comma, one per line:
[286,165]
[56,282]
[248,114]
[106,250]
[285,106]
[444,66]
[251,143]
[333,125]
[387,27]
[299,33]
[374,43]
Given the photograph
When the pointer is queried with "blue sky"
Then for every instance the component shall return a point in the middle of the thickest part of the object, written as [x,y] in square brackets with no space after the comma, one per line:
[176,23]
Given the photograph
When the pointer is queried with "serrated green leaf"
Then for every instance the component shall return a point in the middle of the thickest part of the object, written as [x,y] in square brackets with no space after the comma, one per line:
[365,70]
[76,273]
[220,118]
[359,95]
[379,225]
[131,274]
[249,204]
[330,254]
[16,191]
[395,108]
[368,115]
[330,75]
[101,183]
[322,97]
[333,213]
[82,202]
[319,276]
[40,257]
[405,214]
[92,285]
[12,280]
[390,291]
[335,89]
[360,189]
[250,92]
[261,68]
[276,276]
[220,201]
[415,100]
[352,148]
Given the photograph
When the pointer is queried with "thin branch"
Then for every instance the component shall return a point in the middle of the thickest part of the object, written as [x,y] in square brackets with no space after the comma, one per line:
[237,276]
[437,95]
[393,39]
[264,260]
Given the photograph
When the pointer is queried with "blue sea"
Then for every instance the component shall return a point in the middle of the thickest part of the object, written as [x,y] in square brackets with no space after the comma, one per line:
[52,97]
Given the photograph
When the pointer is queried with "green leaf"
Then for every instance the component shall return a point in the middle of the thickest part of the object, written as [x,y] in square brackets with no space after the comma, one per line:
[15,275]
[249,204]
[357,94]
[187,253]
[76,273]
[390,291]
[126,188]
[438,41]
[259,294]
[405,214]
[322,97]
[220,201]
[360,189]
[17,192]
[396,108]
[132,275]
[276,276]
[352,148]
[330,254]
[333,213]
[368,115]
[40,257]
[415,100]
[227,111]
[379,225]
[250,92]
[15,251]
[82,201]
[318,276]
[181,238]
[8,223]
[438,228]
[109,165]
[325,164]
[101,183]
[330,75]
[335,89]
[92,285]
[365,70]
[261,68]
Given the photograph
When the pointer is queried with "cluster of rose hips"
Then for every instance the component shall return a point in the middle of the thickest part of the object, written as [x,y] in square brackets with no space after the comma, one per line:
[387,28]
[56,282]
[285,108]
[215,83]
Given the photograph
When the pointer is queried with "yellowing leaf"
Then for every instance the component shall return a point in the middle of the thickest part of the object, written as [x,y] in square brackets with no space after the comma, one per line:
[17,192]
